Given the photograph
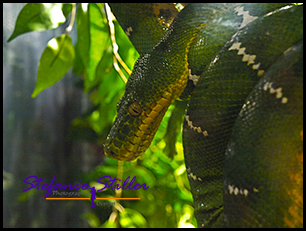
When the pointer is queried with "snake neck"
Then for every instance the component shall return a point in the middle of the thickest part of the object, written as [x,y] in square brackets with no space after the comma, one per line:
[158,78]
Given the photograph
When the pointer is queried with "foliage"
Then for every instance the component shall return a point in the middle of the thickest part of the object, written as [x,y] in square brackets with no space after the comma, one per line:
[167,202]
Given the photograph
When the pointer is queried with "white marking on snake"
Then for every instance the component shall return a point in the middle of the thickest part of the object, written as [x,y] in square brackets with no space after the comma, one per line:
[194,78]
[250,59]
[247,18]
[235,46]
[284,100]
[190,174]
[241,51]
[230,189]
[128,30]
[198,129]
[256,66]
[194,177]
[289,49]
[278,10]
[236,191]
[278,92]
[260,73]
[216,59]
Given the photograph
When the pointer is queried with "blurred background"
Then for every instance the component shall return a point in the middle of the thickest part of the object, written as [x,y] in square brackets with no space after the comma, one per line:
[59,134]
[35,132]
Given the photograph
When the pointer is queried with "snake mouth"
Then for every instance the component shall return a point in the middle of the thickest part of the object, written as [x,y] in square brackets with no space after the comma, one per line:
[126,151]
[130,137]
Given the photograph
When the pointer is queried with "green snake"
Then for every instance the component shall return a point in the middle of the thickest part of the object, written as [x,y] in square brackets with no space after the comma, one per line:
[243,127]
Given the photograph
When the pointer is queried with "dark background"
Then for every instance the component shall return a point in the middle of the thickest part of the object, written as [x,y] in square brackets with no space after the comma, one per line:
[35,132]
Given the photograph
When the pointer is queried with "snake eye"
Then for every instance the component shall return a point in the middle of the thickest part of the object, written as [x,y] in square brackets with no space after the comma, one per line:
[135,109]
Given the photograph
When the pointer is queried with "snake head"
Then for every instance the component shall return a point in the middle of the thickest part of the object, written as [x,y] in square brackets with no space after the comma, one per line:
[123,140]
[139,113]
[134,128]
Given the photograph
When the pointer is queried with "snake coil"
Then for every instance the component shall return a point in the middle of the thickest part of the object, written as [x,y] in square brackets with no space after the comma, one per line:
[243,128]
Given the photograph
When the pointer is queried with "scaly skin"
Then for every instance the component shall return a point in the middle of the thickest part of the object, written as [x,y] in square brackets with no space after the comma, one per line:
[243,127]
[151,89]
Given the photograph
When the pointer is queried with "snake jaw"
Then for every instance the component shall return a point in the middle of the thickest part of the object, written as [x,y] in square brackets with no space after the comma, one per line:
[134,156]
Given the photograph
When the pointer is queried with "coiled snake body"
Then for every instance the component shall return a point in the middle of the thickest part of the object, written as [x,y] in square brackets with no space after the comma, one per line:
[242,132]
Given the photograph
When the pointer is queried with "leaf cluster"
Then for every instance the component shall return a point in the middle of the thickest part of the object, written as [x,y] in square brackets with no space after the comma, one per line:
[167,202]
[90,57]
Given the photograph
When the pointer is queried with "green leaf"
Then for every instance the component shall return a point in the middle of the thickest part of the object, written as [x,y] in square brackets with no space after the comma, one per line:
[98,36]
[83,43]
[54,63]
[38,17]
[92,29]
[131,218]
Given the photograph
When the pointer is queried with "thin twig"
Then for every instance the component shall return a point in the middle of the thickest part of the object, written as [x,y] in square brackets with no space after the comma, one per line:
[119,176]
[114,217]
[72,18]
[116,56]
